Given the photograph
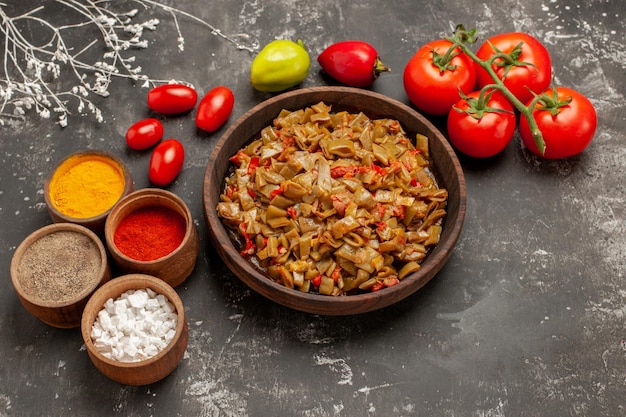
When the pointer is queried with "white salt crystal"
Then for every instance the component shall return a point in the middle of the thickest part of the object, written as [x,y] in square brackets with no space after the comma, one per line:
[154,340]
[131,313]
[120,307]
[152,304]
[130,348]
[96,332]
[138,299]
[151,351]
[105,319]
[109,306]
[124,325]
[113,324]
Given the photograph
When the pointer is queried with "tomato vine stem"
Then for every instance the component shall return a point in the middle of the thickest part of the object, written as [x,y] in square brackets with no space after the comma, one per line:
[479,106]
[460,40]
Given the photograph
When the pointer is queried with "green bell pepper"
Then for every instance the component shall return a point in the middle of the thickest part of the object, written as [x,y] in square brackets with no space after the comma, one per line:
[280,65]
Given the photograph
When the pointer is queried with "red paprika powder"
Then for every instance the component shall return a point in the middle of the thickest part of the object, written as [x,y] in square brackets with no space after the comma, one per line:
[150,233]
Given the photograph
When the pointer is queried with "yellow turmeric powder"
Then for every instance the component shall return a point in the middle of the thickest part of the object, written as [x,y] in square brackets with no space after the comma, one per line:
[86,185]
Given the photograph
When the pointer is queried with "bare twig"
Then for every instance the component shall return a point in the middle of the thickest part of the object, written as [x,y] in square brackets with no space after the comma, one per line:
[53,77]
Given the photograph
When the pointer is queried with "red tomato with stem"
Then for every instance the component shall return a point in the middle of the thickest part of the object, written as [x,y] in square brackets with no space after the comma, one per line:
[215,108]
[567,120]
[481,126]
[144,133]
[166,162]
[353,63]
[529,69]
[433,77]
[172,98]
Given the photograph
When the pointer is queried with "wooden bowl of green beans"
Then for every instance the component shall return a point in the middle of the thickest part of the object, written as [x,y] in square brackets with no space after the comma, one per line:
[334,200]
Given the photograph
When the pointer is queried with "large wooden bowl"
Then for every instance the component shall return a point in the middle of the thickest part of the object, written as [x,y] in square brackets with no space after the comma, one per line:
[149,370]
[374,105]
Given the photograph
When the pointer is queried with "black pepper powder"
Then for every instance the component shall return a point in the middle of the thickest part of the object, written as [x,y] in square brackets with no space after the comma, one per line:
[59,266]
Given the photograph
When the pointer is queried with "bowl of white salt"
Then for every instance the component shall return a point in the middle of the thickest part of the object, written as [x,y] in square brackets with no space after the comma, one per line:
[135,330]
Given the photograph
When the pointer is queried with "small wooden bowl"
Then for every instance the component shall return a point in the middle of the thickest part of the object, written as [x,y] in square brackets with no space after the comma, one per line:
[446,166]
[147,371]
[96,222]
[63,311]
[173,268]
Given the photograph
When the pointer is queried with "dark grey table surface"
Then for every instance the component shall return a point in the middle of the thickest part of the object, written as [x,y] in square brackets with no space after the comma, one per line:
[526,319]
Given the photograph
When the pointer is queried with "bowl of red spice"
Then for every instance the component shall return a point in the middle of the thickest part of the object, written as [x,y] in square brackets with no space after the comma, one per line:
[151,231]
[84,187]
[56,269]
[135,330]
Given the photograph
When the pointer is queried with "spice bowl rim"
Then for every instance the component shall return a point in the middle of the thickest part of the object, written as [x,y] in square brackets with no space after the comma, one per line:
[147,193]
[102,275]
[59,216]
[374,105]
[109,367]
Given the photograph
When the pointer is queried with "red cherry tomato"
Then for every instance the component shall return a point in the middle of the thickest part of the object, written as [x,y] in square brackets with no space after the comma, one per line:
[144,134]
[353,63]
[431,83]
[215,108]
[481,135]
[567,120]
[533,71]
[166,162]
[172,98]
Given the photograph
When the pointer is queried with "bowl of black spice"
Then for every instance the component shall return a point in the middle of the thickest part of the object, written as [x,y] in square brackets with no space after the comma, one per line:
[56,269]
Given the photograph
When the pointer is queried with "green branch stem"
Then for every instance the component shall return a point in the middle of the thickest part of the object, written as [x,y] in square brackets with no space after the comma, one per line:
[487,65]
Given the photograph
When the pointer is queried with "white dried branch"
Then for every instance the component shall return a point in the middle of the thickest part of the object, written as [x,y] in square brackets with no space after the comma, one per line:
[52,78]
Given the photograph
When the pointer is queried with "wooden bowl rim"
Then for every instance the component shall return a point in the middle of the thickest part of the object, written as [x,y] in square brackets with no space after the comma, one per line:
[315,303]
[128,282]
[160,196]
[44,231]
[128,187]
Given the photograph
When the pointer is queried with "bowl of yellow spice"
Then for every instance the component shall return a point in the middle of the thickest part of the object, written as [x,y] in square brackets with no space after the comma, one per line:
[84,187]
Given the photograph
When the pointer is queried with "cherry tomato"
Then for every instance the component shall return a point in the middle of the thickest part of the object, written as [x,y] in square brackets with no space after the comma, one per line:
[432,79]
[215,108]
[172,98]
[531,70]
[144,134]
[166,162]
[567,120]
[484,128]
[353,63]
